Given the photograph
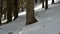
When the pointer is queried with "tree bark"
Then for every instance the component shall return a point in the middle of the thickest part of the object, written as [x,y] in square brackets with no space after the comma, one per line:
[46,4]
[52,1]
[30,18]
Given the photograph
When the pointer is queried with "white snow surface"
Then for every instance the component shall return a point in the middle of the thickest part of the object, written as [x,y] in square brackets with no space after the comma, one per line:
[48,22]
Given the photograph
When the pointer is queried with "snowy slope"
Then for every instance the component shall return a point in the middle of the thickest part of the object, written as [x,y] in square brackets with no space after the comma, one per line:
[48,22]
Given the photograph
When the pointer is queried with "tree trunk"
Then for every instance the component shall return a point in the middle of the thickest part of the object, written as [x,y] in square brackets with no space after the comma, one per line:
[1,3]
[9,11]
[16,9]
[5,14]
[46,4]
[42,3]
[21,5]
[18,5]
[30,18]
[52,1]
[35,1]
[5,9]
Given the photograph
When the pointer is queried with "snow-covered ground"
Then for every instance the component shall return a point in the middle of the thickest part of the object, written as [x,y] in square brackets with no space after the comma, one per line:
[48,22]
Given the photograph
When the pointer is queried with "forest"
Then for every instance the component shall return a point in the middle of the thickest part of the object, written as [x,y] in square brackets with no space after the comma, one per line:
[11,8]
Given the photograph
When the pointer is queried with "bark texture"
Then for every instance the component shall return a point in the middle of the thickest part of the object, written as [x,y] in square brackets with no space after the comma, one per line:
[30,18]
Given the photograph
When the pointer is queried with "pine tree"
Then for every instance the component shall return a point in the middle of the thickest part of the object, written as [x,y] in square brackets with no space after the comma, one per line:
[30,18]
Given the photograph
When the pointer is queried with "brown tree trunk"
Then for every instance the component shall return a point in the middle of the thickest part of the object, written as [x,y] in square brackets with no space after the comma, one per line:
[46,4]
[16,9]
[9,11]
[42,3]
[30,18]
[52,1]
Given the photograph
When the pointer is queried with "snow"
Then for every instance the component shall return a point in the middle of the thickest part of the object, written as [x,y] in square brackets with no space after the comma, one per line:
[48,22]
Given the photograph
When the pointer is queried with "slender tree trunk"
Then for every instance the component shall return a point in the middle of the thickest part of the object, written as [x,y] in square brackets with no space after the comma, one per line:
[42,3]
[46,4]
[0,21]
[21,5]
[18,6]
[1,2]
[30,18]
[5,9]
[5,14]
[9,11]
[52,1]
[16,9]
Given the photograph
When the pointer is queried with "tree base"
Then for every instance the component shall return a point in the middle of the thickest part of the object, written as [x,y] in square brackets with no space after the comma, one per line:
[31,22]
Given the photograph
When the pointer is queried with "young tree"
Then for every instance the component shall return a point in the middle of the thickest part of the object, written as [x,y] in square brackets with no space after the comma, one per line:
[30,18]
[42,3]
[46,4]
[52,1]
[9,11]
